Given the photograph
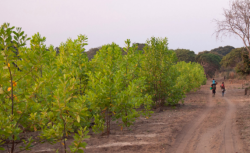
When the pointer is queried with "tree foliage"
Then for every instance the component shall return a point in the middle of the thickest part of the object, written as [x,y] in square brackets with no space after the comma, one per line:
[116,86]
[157,69]
[232,58]
[91,52]
[210,62]
[185,55]
[191,76]
[43,93]
[223,50]
[61,94]
[243,67]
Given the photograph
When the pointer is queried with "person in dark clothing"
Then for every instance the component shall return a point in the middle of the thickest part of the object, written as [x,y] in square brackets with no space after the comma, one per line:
[213,89]
[223,88]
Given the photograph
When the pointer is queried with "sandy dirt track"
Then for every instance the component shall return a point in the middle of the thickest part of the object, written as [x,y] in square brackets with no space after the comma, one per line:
[214,131]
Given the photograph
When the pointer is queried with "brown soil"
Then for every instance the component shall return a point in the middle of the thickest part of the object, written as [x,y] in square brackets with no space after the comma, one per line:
[203,124]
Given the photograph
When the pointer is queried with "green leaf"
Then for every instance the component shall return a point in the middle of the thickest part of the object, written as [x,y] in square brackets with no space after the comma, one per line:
[78,119]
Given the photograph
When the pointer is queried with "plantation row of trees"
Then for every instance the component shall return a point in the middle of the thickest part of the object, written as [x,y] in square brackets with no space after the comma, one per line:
[65,93]
[210,60]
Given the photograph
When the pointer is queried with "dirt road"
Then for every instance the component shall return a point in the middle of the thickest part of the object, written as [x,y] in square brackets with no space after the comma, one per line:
[214,131]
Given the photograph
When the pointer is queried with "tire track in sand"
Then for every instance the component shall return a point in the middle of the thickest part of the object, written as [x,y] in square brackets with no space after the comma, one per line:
[222,138]
[224,135]
[188,131]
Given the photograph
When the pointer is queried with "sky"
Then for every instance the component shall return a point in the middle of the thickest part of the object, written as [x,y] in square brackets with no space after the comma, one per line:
[187,24]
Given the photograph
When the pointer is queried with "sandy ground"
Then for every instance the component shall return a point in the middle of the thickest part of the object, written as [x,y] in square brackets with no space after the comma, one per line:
[204,124]
[215,130]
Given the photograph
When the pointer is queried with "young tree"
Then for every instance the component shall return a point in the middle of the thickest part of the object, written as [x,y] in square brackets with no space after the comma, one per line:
[157,70]
[12,107]
[191,76]
[66,110]
[132,95]
[236,22]
[115,89]
[41,91]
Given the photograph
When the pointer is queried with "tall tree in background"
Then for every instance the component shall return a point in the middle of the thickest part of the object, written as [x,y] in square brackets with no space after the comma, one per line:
[209,61]
[233,58]
[185,55]
[223,50]
[236,22]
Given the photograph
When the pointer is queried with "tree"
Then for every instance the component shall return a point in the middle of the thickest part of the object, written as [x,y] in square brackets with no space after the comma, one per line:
[58,94]
[157,70]
[243,67]
[236,22]
[232,58]
[92,51]
[44,93]
[223,50]
[115,89]
[10,114]
[210,62]
[185,55]
[140,46]
[191,76]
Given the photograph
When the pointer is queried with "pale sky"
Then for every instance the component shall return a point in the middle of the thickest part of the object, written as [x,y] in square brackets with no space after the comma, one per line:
[186,23]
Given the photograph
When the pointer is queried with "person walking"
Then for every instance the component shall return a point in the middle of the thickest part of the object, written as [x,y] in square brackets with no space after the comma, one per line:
[213,89]
[213,81]
[223,88]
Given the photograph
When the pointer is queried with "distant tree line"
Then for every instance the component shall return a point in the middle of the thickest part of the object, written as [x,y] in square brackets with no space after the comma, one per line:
[220,59]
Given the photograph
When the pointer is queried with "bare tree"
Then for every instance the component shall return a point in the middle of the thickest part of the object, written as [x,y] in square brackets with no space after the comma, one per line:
[236,22]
